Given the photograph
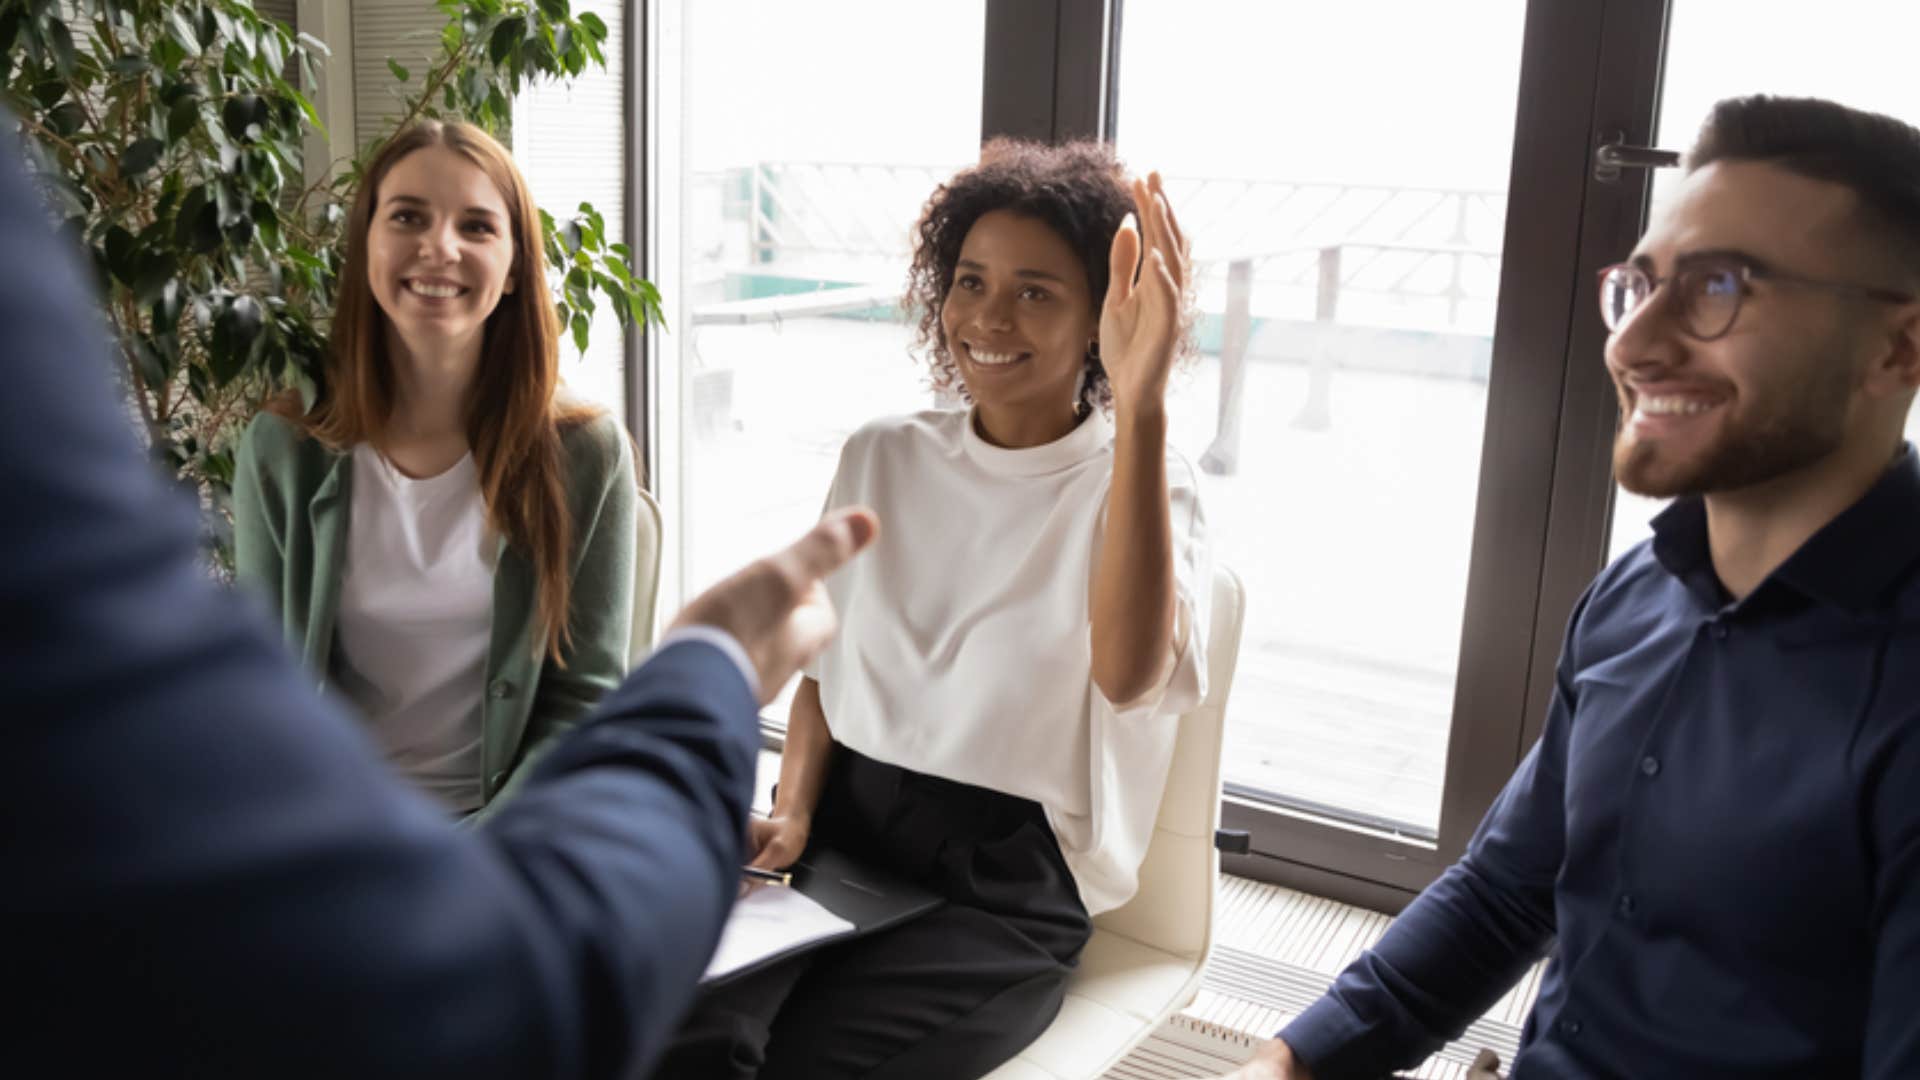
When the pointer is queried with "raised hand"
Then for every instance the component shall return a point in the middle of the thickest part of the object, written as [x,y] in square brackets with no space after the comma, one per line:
[1140,321]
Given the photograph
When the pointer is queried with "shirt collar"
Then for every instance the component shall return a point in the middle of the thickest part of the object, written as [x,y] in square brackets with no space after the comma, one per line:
[1087,439]
[1849,563]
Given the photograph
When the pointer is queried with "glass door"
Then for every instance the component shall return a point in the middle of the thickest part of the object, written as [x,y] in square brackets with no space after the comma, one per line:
[1348,233]
[798,144]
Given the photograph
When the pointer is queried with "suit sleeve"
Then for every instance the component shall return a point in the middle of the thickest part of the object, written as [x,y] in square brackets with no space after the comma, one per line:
[1467,938]
[202,853]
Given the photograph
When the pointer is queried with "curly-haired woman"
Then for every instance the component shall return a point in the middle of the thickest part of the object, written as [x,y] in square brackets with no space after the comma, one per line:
[448,540]
[996,718]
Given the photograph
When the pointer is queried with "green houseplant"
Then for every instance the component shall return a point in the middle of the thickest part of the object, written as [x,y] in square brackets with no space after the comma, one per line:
[167,136]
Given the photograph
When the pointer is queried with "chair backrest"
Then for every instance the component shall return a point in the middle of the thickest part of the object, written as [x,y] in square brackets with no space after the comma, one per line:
[1173,910]
[646,577]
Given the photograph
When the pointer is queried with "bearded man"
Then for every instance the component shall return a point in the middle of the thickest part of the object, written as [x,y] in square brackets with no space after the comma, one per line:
[1718,834]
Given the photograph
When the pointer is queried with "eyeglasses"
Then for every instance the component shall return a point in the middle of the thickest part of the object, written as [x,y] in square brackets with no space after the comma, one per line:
[1705,296]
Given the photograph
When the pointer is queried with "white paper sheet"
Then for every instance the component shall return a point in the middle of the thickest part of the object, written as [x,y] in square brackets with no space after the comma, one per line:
[769,920]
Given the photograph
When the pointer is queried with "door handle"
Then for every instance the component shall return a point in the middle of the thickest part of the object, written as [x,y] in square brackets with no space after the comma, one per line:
[1613,155]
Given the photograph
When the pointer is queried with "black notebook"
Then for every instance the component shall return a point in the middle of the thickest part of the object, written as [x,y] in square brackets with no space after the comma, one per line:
[832,899]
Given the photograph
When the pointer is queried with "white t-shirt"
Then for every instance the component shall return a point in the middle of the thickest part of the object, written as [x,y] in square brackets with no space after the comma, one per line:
[416,618]
[965,649]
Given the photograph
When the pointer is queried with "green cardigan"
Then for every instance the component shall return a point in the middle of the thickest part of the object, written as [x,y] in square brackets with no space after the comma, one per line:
[291,501]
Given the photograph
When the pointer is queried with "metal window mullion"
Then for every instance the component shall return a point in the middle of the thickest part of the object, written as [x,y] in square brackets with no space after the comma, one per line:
[1626,101]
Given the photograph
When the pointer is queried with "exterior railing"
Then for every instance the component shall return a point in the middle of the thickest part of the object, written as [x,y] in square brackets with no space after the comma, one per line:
[1369,255]
[1404,244]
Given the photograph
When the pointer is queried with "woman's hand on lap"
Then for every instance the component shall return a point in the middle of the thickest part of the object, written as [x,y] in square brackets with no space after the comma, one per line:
[776,842]
[1140,321]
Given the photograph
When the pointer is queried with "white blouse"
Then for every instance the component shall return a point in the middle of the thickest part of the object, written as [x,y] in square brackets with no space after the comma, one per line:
[965,649]
[416,618]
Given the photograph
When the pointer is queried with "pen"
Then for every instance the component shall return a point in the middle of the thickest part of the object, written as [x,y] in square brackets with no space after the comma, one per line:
[770,877]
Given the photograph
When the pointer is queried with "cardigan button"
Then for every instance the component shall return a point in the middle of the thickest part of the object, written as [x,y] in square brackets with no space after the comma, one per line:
[498,778]
[501,688]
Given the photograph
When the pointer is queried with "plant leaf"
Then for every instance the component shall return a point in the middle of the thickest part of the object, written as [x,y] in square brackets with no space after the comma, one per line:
[142,155]
[48,92]
[312,44]
[182,32]
[500,45]
[240,115]
[60,40]
[66,117]
[182,118]
[119,247]
[399,72]
[580,329]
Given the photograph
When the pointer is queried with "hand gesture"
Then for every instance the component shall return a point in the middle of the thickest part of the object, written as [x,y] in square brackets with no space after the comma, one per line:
[777,607]
[1140,321]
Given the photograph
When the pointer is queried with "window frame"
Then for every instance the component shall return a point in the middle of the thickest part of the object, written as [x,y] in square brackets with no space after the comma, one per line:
[1050,71]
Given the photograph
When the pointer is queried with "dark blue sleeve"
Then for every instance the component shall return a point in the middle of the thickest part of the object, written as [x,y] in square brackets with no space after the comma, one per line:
[209,873]
[1466,939]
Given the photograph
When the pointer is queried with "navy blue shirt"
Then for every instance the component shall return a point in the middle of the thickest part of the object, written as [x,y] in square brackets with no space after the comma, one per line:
[1721,824]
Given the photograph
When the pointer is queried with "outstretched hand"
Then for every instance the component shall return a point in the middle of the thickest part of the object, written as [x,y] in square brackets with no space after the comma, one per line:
[777,606]
[1140,321]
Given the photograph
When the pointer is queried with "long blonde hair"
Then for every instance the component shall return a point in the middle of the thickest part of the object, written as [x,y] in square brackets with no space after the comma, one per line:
[514,415]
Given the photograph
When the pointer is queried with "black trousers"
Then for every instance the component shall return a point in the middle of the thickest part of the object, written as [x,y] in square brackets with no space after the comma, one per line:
[949,995]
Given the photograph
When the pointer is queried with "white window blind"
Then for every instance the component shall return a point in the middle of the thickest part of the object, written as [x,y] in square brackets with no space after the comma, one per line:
[408,32]
[570,142]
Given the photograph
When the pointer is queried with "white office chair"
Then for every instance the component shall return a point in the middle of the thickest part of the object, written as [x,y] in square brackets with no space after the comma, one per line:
[646,577]
[1143,962]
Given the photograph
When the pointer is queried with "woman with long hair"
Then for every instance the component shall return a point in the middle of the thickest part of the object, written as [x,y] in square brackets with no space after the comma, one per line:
[449,541]
[996,718]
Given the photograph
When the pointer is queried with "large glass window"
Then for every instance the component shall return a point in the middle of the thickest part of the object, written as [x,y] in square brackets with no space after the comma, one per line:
[804,141]
[569,140]
[1851,51]
[1345,190]
[1373,188]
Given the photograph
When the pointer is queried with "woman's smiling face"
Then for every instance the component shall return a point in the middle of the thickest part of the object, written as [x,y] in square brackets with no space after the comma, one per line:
[440,248]
[1019,317]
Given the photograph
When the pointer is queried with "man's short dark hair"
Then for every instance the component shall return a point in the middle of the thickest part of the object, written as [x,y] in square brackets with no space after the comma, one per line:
[1875,156]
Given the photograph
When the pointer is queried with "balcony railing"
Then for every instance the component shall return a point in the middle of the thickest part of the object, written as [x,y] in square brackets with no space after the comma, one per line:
[1310,256]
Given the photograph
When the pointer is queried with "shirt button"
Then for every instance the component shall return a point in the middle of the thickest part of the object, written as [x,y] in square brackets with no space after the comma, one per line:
[1627,905]
[1650,766]
[1569,1027]
[498,779]
[1721,630]
[501,688]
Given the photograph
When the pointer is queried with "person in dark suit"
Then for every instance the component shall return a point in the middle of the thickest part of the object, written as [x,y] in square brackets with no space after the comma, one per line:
[209,872]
